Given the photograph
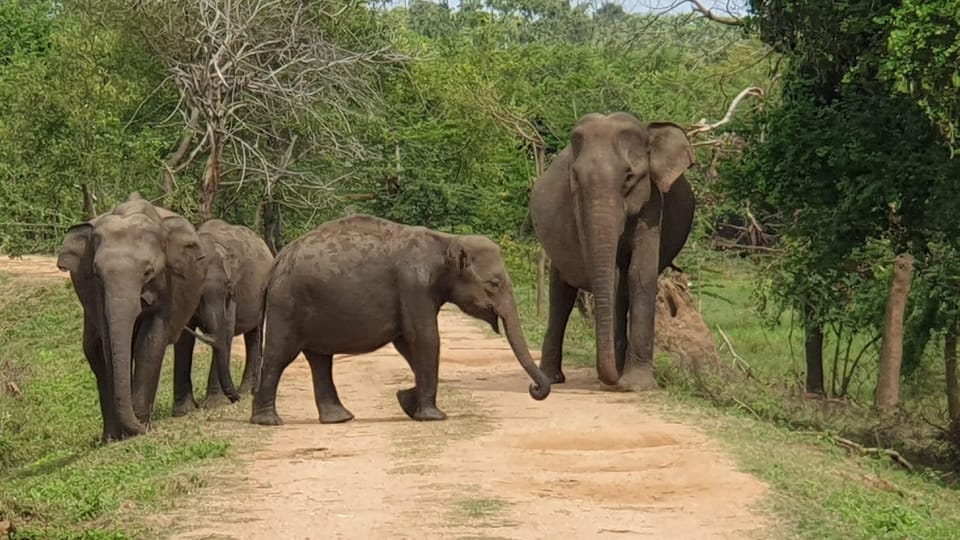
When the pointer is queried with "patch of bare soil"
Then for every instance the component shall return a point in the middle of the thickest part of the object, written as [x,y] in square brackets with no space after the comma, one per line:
[584,463]
[32,265]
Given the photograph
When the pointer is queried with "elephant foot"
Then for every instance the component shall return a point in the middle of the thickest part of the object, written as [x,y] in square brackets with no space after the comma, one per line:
[639,379]
[409,401]
[555,375]
[334,414]
[266,418]
[429,414]
[216,399]
[184,406]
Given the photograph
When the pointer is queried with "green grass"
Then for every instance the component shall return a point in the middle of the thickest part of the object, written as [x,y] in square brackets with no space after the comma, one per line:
[58,481]
[819,491]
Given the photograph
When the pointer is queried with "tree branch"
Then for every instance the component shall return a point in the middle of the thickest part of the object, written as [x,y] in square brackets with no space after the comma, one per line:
[703,126]
[706,12]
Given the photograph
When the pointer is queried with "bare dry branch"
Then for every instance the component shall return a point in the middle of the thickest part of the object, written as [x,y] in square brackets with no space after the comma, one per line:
[706,12]
[704,126]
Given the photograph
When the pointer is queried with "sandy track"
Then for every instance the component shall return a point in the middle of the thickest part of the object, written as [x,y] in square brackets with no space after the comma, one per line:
[584,463]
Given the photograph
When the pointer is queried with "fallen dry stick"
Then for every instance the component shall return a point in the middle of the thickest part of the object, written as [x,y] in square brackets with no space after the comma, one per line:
[897,457]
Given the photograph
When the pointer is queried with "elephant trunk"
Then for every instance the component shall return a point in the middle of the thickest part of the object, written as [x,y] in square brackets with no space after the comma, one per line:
[510,316]
[122,306]
[214,310]
[603,222]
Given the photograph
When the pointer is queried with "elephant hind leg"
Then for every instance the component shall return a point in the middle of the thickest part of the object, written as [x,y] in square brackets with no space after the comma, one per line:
[280,349]
[562,298]
[325,394]
[253,340]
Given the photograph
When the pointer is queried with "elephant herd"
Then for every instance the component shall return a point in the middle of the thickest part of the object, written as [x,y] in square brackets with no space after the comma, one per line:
[612,211]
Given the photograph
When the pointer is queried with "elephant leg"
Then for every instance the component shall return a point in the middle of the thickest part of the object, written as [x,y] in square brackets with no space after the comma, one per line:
[423,356]
[93,350]
[183,400]
[253,341]
[150,344]
[642,283]
[562,298]
[279,351]
[329,407]
[621,307]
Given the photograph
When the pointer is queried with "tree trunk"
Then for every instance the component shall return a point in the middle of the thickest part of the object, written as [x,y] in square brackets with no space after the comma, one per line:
[175,161]
[891,352]
[813,351]
[211,177]
[272,232]
[950,362]
[89,207]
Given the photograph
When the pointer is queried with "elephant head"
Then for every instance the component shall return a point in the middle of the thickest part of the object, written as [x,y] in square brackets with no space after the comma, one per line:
[129,262]
[481,287]
[217,310]
[619,169]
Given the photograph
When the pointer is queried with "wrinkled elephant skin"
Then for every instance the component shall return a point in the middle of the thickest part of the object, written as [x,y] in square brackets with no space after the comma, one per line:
[230,305]
[612,211]
[137,271]
[356,284]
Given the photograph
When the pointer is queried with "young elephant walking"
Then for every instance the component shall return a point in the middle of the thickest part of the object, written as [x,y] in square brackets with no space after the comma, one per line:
[358,283]
[231,303]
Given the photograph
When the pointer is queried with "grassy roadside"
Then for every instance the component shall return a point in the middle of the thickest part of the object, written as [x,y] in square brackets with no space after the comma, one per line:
[58,482]
[819,491]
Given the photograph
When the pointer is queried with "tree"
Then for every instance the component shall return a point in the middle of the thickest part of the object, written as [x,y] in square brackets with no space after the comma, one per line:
[240,65]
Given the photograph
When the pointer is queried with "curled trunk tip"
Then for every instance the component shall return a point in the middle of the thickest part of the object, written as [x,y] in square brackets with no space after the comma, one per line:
[539,391]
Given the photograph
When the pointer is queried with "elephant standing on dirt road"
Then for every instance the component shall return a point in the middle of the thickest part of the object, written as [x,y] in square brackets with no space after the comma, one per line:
[612,211]
[358,283]
[137,271]
[230,305]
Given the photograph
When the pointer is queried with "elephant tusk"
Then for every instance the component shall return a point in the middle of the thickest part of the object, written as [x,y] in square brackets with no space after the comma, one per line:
[201,337]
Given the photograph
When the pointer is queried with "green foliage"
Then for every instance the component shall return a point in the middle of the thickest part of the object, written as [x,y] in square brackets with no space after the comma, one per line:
[923,58]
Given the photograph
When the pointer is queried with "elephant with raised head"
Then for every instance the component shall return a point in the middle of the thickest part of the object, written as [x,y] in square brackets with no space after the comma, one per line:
[355,284]
[230,305]
[137,271]
[612,211]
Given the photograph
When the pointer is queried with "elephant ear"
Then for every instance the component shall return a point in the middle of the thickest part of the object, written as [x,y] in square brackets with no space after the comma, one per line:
[75,246]
[458,256]
[230,264]
[670,153]
[185,255]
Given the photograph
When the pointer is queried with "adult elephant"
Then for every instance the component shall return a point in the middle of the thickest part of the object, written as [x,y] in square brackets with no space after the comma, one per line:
[137,271]
[612,211]
[230,305]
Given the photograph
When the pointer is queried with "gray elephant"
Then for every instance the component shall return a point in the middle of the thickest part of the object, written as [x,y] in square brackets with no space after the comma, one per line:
[612,211]
[230,305]
[137,271]
[358,283]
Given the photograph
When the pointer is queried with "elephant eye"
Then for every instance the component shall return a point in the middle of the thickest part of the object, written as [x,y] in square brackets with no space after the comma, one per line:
[494,283]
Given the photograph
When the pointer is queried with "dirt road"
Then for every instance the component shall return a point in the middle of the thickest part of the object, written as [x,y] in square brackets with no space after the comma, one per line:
[584,463]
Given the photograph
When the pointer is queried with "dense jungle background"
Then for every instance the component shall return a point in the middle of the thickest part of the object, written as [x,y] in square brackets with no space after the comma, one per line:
[826,178]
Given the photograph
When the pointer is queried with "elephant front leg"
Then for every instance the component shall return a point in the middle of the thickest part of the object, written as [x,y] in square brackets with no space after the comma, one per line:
[183,400]
[151,343]
[93,350]
[423,356]
[642,275]
[562,299]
